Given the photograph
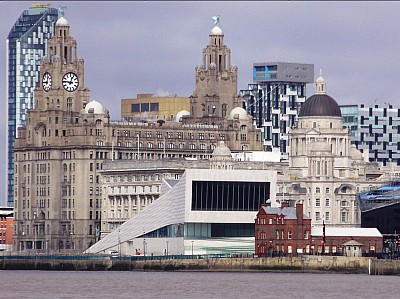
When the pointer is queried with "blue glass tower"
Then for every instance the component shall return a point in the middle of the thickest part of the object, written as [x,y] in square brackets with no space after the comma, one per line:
[26,45]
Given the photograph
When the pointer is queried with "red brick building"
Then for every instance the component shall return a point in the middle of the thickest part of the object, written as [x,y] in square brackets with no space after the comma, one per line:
[287,231]
[283,230]
[6,228]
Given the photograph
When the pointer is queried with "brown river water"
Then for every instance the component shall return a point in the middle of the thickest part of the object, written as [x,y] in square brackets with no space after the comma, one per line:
[74,284]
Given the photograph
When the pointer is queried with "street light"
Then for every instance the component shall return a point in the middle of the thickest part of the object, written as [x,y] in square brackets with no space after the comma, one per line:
[138,146]
[192,247]
[144,246]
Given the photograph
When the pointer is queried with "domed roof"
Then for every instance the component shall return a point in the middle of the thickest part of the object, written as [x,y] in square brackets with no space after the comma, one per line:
[216,31]
[321,146]
[62,22]
[180,114]
[222,151]
[238,112]
[320,104]
[94,107]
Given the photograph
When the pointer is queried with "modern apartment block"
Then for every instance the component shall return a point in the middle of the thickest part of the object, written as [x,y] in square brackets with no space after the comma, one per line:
[274,100]
[26,44]
[375,130]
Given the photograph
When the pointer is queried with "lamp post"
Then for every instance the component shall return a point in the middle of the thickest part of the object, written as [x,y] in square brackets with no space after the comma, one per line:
[144,246]
[138,146]
[192,248]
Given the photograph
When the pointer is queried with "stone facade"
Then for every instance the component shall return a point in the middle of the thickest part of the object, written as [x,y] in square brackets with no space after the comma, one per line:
[60,152]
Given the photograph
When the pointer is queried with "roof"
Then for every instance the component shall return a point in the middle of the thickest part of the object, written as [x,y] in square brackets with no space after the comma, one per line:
[320,105]
[346,232]
[288,212]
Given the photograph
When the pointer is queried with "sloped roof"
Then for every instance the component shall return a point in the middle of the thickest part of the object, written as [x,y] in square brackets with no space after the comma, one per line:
[288,212]
[168,209]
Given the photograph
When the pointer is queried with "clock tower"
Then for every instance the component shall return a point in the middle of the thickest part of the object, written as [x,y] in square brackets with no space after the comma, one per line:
[62,74]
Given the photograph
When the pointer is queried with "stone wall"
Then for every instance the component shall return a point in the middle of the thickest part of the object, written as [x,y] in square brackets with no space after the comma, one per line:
[300,264]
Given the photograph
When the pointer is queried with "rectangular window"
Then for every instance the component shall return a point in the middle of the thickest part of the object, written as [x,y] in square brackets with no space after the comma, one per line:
[289,235]
[135,107]
[327,202]
[317,216]
[144,107]
[317,202]
[327,216]
[228,196]
[154,107]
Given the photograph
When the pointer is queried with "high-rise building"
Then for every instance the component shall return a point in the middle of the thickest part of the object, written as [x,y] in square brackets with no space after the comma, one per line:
[26,44]
[274,100]
[375,131]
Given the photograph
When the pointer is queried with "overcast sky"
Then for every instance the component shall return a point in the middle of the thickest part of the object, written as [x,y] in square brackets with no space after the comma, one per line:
[154,47]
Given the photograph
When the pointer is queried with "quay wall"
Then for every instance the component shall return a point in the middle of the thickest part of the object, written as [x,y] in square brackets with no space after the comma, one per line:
[301,264]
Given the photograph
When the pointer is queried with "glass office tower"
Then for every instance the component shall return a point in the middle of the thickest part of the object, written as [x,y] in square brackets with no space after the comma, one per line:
[26,45]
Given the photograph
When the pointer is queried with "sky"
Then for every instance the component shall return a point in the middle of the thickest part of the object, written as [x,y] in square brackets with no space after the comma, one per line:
[132,47]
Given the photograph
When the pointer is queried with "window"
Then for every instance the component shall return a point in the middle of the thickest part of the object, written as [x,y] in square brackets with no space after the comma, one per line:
[318,190]
[327,190]
[317,202]
[144,107]
[306,234]
[270,221]
[317,216]
[135,107]
[344,216]
[289,235]
[327,216]
[327,202]
[154,107]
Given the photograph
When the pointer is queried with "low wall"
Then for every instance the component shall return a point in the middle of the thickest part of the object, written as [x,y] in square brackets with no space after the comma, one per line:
[300,264]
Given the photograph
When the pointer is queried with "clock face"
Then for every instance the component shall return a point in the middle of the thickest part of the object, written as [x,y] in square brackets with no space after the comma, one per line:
[47,81]
[70,82]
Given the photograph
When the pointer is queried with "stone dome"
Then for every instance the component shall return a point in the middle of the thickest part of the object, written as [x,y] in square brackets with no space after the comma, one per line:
[238,112]
[320,104]
[94,107]
[321,146]
[62,22]
[216,31]
[180,114]
[222,151]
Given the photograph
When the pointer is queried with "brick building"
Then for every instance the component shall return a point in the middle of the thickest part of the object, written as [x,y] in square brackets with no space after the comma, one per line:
[283,230]
[6,228]
[287,231]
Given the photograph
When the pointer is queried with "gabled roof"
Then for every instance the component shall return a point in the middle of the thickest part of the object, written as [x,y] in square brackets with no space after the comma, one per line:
[287,212]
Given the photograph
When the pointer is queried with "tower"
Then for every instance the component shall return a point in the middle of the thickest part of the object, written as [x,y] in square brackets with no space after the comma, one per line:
[26,45]
[215,94]
[57,156]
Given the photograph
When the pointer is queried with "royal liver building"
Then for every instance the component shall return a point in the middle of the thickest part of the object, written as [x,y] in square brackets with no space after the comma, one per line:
[59,154]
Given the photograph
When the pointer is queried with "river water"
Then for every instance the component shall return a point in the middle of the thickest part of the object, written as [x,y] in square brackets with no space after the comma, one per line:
[74,284]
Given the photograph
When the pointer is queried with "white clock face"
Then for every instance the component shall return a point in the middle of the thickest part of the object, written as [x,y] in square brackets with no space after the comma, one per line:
[47,81]
[70,82]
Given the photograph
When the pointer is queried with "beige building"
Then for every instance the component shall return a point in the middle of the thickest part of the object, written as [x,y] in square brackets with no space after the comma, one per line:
[67,138]
[150,107]
[325,171]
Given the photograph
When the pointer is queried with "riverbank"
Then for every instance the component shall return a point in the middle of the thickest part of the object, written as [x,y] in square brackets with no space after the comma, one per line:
[337,264]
